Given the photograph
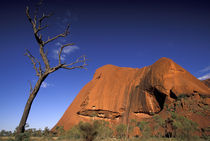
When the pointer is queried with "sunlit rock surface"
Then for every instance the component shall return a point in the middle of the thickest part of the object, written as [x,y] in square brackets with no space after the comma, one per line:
[117,94]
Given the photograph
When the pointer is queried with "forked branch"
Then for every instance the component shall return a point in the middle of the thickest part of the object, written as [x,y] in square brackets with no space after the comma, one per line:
[35,61]
[64,34]
[29,17]
[40,22]
[61,50]
[80,60]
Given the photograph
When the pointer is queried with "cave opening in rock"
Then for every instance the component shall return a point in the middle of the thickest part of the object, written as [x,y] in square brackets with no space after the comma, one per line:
[172,95]
[160,97]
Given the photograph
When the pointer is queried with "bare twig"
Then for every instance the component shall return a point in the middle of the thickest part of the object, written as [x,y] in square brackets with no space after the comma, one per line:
[40,67]
[29,17]
[40,22]
[41,28]
[71,68]
[81,59]
[34,62]
[44,17]
[31,87]
[64,34]
[61,49]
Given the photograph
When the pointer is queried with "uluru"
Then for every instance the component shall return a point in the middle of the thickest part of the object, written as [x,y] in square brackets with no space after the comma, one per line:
[118,94]
[207,82]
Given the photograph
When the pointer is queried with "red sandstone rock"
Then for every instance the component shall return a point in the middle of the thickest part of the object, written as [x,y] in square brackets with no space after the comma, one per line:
[207,82]
[117,94]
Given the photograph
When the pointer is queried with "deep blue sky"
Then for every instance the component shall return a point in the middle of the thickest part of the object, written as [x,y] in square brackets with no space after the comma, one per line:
[127,33]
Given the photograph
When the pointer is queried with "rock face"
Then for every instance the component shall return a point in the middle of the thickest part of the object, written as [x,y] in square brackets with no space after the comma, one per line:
[207,82]
[117,94]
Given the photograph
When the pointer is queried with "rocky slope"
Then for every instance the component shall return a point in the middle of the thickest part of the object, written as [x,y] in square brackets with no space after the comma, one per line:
[117,94]
[207,82]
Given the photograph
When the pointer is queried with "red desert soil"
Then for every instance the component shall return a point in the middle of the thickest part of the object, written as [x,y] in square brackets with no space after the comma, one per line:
[117,94]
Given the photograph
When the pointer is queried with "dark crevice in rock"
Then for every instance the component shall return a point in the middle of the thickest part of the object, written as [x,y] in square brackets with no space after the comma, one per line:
[99,113]
[98,77]
[160,97]
[172,95]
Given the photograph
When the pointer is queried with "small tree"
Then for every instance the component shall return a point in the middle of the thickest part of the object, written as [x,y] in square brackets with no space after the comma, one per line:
[46,132]
[73,133]
[185,128]
[103,129]
[5,133]
[59,130]
[95,130]
[159,124]
[88,131]
[144,128]
[43,72]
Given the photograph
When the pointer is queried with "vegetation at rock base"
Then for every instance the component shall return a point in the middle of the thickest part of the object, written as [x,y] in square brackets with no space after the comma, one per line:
[173,127]
[121,131]
[95,130]
[145,129]
[183,129]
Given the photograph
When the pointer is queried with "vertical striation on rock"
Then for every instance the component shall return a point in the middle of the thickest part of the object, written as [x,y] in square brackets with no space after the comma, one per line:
[117,94]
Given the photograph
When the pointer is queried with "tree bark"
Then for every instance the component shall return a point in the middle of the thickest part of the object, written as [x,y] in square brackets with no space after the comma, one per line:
[21,127]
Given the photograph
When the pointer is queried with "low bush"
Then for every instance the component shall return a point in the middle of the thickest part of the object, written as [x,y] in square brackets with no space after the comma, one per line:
[184,128]
[121,131]
[22,137]
[145,129]
[89,131]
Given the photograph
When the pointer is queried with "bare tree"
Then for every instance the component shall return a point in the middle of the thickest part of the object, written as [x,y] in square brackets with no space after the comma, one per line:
[43,72]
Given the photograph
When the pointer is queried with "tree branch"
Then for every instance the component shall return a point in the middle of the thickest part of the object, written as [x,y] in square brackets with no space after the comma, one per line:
[34,62]
[29,17]
[40,22]
[44,17]
[61,49]
[41,28]
[31,87]
[71,68]
[64,34]
[81,59]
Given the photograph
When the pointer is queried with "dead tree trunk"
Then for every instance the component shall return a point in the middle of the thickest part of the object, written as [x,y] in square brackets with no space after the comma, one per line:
[21,127]
[40,72]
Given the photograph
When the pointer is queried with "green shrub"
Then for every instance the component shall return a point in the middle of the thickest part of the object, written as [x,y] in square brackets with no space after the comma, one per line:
[5,133]
[184,96]
[103,129]
[144,128]
[88,131]
[159,124]
[184,128]
[205,132]
[59,130]
[74,133]
[22,137]
[121,130]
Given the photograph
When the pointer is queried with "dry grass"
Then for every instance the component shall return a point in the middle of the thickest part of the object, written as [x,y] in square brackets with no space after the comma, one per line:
[108,139]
